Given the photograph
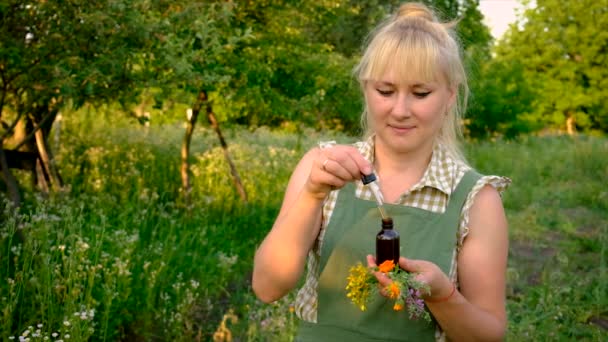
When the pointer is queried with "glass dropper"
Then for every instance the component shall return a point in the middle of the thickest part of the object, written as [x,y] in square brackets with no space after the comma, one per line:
[370,180]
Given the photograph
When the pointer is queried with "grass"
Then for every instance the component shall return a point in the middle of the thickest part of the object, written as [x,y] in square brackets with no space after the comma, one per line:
[118,256]
[557,205]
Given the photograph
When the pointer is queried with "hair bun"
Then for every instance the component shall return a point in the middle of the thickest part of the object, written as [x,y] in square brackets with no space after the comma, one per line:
[418,10]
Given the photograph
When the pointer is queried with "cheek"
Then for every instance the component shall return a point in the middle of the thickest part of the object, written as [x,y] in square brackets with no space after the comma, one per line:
[431,111]
[377,105]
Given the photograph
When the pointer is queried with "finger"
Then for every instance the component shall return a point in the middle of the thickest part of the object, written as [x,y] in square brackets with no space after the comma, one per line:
[339,168]
[347,160]
[410,265]
[371,261]
[364,166]
[351,159]
[383,279]
[322,181]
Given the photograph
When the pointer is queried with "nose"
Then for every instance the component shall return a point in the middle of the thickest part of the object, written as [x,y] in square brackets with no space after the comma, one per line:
[401,107]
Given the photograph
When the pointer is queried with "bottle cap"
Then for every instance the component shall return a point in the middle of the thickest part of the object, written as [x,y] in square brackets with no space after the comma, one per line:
[366,179]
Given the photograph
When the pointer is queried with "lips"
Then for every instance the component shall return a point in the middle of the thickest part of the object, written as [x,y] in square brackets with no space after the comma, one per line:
[401,129]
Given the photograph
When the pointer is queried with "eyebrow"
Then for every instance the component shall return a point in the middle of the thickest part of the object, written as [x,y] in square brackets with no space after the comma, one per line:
[415,85]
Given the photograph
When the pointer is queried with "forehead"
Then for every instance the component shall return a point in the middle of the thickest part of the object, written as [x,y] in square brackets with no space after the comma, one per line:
[404,59]
[404,71]
[392,77]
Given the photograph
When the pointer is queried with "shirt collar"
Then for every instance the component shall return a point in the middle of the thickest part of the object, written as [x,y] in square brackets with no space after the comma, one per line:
[438,174]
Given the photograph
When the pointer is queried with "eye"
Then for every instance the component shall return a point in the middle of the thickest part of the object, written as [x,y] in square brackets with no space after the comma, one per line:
[384,92]
[421,94]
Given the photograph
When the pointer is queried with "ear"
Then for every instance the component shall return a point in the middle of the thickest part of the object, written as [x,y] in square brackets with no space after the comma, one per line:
[453,94]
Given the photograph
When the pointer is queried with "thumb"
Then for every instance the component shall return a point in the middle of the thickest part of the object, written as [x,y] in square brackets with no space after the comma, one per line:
[410,265]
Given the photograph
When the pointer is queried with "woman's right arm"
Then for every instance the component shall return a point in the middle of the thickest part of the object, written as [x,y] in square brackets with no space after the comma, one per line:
[280,259]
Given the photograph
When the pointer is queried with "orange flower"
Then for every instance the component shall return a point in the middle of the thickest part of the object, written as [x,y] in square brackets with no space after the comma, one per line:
[393,291]
[398,307]
[386,266]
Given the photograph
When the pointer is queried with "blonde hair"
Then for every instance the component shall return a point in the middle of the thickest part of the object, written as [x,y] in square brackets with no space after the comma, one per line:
[427,50]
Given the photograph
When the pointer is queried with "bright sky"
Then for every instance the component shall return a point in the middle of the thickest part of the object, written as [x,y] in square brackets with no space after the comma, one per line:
[498,14]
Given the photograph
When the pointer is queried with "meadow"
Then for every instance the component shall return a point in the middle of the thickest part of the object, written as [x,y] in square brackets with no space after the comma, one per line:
[119,256]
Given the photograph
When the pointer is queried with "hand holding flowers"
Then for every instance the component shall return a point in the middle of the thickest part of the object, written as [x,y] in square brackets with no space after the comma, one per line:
[393,282]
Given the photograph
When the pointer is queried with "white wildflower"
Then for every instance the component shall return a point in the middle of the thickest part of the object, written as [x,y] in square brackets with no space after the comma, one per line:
[83,246]
[227,261]
[16,250]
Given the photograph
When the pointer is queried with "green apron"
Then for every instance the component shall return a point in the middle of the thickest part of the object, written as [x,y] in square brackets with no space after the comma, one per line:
[350,237]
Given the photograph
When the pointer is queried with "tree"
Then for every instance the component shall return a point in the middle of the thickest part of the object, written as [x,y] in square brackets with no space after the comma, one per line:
[285,75]
[501,101]
[54,54]
[563,47]
[189,60]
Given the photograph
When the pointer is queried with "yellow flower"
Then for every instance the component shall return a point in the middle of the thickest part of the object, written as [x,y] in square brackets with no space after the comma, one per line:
[393,290]
[359,285]
[386,266]
[398,307]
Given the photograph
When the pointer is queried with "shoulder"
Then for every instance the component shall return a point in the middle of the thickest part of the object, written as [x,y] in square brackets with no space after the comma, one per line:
[487,187]
[487,197]
[484,197]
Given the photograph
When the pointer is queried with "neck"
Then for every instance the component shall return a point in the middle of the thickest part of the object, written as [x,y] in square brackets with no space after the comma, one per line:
[392,162]
[408,166]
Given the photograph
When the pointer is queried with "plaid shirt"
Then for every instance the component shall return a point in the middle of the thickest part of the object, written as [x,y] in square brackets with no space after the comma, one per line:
[430,193]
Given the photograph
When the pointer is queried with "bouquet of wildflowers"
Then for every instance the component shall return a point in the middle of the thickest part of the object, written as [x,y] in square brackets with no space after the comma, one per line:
[404,289]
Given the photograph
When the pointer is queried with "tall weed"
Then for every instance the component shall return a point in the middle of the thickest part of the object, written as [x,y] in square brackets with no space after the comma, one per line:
[119,256]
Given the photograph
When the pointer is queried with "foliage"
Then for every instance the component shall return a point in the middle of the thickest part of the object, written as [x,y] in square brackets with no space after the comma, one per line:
[189,50]
[472,32]
[562,46]
[501,99]
[120,258]
[285,76]
[54,53]
[262,62]
[557,275]
[116,246]
[344,24]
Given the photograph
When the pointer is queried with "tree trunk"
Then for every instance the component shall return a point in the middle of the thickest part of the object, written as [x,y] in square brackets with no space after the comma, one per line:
[570,128]
[233,171]
[9,179]
[47,160]
[185,151]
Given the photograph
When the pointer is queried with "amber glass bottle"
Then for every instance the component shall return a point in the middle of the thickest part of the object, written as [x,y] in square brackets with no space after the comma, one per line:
[387,243]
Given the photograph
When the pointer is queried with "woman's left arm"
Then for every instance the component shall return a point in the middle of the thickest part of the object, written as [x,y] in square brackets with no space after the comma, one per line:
[477,311]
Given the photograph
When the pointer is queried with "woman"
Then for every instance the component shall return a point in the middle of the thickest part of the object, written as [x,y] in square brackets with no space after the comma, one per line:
[451,219]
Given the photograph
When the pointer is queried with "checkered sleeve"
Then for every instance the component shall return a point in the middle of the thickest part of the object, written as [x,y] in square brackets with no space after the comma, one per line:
[498,182]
